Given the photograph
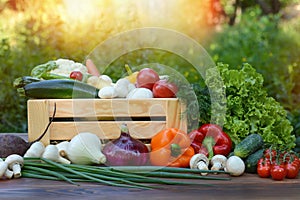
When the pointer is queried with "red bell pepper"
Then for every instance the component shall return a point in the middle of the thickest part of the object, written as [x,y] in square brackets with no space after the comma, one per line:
[210,140]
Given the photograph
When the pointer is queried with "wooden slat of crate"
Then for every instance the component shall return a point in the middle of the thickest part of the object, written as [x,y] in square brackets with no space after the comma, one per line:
[91,113]
[105,130]
[112,107]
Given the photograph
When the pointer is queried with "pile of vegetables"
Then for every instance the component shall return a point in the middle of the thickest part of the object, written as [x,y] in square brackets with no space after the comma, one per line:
[234,136]
[63,79]
[84,158]
[248,108]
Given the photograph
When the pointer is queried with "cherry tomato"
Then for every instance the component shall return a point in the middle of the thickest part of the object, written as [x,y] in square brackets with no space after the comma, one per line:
[296,161]
[264,168]
[292,170]
[164,89]
[278,172]
[270,153]
[77,75]
[146,78]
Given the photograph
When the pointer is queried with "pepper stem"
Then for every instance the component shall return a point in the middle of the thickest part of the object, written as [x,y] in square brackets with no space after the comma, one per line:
[128,70]
[175,150]
[209,142]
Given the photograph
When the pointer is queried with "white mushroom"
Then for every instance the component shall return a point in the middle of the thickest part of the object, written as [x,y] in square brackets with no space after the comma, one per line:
[140,93]
[106,78]
[218,162]
[199,161]
[107,92]
[235,166]
[4,170]
[36,150]
[122,87]
[15,163]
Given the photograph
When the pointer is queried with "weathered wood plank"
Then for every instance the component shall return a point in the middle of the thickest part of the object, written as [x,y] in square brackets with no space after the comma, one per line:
[248,186]
[105,130]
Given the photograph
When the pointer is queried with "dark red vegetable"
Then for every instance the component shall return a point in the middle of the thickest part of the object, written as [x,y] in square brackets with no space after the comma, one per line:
[76,75]
[264,168]
[210,139]
[13,144]
[126,150]
[292,170]
[270,154]
[164,89]
[278,171]
[146,78]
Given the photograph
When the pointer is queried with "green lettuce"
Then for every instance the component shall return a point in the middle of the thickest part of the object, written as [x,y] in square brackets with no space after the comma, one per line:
[248,108]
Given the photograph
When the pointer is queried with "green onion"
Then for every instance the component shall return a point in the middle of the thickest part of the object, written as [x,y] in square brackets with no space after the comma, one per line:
[120,176]
[58,175]
[176,175]
[163,169]
[83,175]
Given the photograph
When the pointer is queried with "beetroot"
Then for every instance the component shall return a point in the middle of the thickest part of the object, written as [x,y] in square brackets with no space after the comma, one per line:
[13,144]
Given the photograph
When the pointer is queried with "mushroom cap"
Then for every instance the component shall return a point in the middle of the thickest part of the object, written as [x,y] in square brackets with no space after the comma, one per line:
[235,165]
[196,159]
[14,159]
[3,168]
[219,158]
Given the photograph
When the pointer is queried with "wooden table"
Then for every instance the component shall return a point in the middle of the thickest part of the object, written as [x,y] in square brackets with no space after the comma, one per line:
[248,186]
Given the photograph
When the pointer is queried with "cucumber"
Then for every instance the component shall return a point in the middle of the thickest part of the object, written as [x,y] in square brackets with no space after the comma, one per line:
[251,161]
[60,89]
[248,145]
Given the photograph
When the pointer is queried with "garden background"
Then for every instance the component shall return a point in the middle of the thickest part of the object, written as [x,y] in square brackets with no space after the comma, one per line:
[263,33]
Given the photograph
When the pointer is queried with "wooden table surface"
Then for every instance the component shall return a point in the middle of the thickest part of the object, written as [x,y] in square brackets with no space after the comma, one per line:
[248,186]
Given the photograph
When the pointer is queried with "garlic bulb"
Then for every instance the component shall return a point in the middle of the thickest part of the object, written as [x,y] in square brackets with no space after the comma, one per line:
[51,153]
[62,148]
[85,148]
[36,150]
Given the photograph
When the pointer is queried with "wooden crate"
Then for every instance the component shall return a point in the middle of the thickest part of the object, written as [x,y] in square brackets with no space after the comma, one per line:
[103,117]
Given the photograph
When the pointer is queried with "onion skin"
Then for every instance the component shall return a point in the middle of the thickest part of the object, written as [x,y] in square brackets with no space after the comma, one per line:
[126,151]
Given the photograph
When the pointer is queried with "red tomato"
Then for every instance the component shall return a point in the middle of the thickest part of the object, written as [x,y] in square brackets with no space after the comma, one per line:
[146,78]
[292,170]
[264,168]
[278,172]
[164,89]
[296,161]
[77,75]
[270,154]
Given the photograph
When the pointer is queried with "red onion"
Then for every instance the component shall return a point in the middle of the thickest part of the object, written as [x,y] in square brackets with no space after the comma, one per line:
[126,150]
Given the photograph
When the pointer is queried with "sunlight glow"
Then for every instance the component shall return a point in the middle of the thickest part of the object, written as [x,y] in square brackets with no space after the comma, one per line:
[80,10]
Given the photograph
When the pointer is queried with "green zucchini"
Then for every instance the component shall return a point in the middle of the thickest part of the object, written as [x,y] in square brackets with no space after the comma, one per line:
[248,145]
[251,161]
[60,89]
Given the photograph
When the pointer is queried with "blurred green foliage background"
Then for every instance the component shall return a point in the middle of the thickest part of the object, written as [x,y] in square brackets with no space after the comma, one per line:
[33,32]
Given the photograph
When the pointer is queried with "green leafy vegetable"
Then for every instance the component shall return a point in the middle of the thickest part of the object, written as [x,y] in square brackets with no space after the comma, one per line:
[248,107]
[42,69]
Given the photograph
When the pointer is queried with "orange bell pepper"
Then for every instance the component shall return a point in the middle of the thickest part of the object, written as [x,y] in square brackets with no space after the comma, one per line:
[171,147]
